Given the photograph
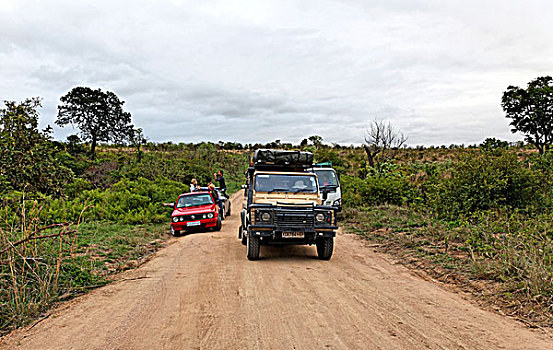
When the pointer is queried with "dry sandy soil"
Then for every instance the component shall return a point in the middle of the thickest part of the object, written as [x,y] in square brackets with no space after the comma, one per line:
[202,293]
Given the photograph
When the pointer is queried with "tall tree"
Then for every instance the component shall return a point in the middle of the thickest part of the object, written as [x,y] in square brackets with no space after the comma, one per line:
[531,111]
[99,116]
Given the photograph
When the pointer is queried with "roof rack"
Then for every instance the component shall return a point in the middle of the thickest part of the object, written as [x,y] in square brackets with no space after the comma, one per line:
[271,157]
[323,165]
[280,160]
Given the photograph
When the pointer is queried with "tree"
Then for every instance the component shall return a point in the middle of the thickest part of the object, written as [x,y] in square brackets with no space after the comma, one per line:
[137,140]
[382,141]
[27,155]
[99,116]
[531,111]
[491,143]
[316,140]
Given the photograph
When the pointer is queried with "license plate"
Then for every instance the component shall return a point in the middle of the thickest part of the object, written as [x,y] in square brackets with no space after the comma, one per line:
[193,223]
[293,235]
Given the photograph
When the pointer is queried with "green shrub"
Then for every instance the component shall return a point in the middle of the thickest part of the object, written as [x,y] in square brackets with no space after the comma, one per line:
[481,182]
[387,190]
[129,202]
[352,190]
[391,189]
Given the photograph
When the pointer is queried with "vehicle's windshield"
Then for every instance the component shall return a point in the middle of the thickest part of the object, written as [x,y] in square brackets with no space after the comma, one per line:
[327,178]
[285,183]
[193,200]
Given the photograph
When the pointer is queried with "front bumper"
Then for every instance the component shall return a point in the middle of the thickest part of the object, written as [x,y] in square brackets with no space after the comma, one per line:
[293,222]
[275,236]
[204,223]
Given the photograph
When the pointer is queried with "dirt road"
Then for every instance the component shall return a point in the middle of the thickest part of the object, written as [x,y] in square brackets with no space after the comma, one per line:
[202,293]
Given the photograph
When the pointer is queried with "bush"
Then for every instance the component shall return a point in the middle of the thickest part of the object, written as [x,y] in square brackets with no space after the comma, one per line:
[352,190]
[129,202]
[482,182]
[374,190]
[388,190]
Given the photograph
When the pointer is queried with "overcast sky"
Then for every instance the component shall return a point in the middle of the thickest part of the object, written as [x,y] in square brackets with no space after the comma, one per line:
[257,71]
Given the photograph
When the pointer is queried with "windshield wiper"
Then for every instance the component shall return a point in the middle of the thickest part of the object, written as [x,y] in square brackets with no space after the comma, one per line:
[279,190]
[305,190]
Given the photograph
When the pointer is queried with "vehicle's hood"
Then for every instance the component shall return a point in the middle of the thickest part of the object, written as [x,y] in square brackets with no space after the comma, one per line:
[194,210]
[288,198]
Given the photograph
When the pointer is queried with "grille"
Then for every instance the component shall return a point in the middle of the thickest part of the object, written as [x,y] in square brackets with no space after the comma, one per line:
[295,219]
[196,217]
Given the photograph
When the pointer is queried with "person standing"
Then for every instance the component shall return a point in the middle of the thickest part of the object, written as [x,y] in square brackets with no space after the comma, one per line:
[222,184]
[194,185]
[215,195]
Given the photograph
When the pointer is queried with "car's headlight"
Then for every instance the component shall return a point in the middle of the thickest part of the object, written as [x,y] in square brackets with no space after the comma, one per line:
[265,216]
[320,217]
[210,215]
[175,218]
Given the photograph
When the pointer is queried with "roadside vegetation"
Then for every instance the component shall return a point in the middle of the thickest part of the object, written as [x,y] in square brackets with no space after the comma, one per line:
[478,218]
[70,218]
[74,212]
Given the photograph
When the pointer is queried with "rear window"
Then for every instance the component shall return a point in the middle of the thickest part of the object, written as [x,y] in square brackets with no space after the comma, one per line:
[193,200]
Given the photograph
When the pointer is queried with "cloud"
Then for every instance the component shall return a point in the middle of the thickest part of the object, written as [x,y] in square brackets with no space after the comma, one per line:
[248,72]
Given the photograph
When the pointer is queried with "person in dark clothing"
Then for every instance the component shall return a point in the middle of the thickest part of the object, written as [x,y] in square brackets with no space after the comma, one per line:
[215,195]
[222,184]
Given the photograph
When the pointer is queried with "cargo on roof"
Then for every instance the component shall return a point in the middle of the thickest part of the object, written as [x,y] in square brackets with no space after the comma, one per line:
[281,157]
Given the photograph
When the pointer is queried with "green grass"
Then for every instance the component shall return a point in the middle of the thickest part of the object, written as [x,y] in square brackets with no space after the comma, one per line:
[31,282]
[504,258]
[110,247]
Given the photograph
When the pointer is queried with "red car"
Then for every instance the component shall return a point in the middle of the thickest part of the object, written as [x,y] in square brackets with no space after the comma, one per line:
[193,211]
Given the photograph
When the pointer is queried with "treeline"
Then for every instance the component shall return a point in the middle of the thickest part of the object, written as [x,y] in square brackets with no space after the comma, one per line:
[313,142]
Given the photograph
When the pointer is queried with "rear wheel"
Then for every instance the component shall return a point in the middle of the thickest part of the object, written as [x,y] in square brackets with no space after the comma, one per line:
[253,247]
[325,247]
[174,232]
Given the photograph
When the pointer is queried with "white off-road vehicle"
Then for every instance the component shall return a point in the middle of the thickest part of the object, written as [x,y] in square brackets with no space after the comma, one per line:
[329,185]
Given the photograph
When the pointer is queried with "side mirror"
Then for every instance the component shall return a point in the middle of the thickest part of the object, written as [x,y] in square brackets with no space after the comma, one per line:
[172,205]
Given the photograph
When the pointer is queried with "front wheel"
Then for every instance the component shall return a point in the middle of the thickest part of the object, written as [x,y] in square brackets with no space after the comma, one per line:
[325,247]
[174,232]
[244,238]
[253,247]
[219,225]
[242,235]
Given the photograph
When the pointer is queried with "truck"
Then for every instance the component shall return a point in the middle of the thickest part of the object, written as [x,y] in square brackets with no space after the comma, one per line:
[283,204]
[329,184]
